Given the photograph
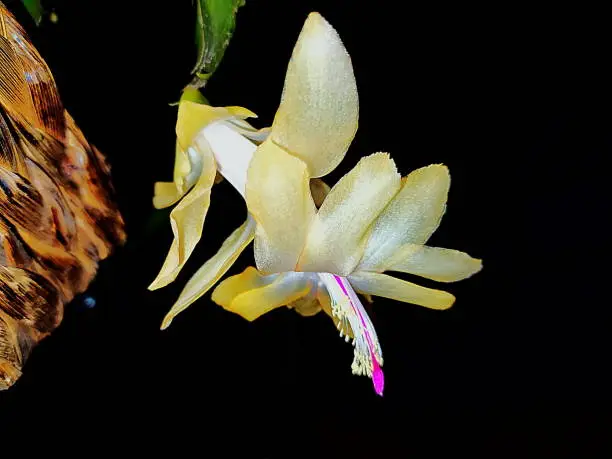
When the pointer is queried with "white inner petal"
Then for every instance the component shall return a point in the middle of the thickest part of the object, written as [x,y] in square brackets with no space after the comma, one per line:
[232,151]
[196,165]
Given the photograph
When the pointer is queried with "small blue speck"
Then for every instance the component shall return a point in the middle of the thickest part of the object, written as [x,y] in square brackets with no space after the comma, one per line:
[89,302]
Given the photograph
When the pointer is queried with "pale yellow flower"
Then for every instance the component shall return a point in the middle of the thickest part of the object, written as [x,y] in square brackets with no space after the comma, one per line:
[313,254]
[370,222]
[210,141]
[217,139]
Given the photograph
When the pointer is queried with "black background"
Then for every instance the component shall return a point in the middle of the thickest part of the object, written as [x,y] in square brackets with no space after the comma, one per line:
[514,99]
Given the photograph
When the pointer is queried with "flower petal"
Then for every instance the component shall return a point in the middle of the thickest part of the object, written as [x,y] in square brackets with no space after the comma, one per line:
[187,221]
[233,152]
[251,295]
[401,290]
[442,265]
[319,109]
[307,306]
[245,129]
[166,194]
[340,230]
[187,170]
[278,196]
[193,117]
[411,217]
[212,270]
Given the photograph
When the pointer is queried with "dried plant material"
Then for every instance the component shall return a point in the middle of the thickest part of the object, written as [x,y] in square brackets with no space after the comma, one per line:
[57,215]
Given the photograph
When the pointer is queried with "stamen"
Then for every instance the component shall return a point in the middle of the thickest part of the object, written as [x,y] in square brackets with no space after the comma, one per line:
[349,311]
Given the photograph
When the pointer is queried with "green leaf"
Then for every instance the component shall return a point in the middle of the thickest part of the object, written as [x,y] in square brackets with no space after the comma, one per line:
[35,9]
[215,24]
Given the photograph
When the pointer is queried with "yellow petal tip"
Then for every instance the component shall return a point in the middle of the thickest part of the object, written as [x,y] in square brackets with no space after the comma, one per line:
[449,302]
[476,265]
[384,158]
[440,167]
[159,282]
[160,202]
[166,322]
[241,112]
[315,20]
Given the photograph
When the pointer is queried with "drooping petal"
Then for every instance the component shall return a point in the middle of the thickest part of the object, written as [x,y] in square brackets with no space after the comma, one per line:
[278,196]
[187,221]
[165,194]
[187,170]
[209,274]
[411,217]
[251,295]
[401,290]
[340,230]
[318,113]
[442,265]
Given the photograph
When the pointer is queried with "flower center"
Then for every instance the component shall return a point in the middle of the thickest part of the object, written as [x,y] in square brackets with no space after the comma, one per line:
[351,313]
[232,152]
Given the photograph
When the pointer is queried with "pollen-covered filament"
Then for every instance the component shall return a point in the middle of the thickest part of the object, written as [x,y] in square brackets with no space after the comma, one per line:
[349,311]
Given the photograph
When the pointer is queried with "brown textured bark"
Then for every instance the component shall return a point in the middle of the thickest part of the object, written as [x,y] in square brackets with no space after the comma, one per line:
[57,215]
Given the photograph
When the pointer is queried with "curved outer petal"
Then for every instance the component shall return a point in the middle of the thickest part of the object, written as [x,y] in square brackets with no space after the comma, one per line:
[319,109]
[251,295]
[166,194]
[193,117]
[340,230]
[400,290]
[442,265]
[187,221]
[212,270]
[411,217]
[278,196]
[187,169]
